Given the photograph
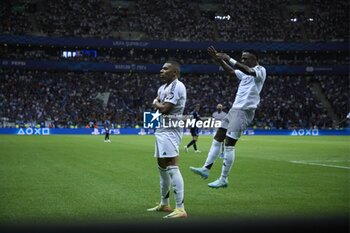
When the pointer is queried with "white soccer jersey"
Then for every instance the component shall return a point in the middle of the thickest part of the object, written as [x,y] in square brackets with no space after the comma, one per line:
[168,140]
[248,93]
[174,93]
[219,116]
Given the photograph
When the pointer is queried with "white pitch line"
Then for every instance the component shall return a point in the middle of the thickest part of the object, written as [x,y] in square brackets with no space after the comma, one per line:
[327,160]
[320,164]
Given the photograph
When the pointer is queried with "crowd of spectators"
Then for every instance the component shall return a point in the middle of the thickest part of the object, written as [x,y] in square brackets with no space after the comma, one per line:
[261,20]
[288,102]
[65,98]
[14,18]
[74,18]
[159,56]
[337,93]
[62,99]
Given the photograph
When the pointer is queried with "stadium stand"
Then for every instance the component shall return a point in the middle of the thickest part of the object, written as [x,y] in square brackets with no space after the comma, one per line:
[195,21]
[61,98]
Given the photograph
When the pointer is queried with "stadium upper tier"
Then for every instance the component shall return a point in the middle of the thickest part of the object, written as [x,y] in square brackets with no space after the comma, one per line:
[200,20]
[79,97]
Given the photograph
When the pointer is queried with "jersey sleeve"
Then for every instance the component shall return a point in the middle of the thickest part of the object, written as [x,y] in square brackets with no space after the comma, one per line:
[196,115]
[175,94]
[260,72]
[159,90]
[239,74]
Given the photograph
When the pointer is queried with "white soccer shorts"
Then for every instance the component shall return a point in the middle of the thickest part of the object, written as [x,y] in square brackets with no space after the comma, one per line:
[236,121]
[167,143]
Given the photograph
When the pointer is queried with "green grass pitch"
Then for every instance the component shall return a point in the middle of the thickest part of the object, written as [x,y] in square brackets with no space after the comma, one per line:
[81,178]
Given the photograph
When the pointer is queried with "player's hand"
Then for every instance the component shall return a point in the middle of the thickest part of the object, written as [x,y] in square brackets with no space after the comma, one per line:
[212,52]
[223,56]
[155,101]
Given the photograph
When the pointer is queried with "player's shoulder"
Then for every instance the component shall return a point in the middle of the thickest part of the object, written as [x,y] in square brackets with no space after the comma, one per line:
[260,70]
[179,83]
[161,88]
[260,67]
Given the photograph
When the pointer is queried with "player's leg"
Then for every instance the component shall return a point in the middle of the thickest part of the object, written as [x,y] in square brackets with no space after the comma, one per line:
[193,141]
[164,178]
[222,146]
[167,151]
[106,134]
[212,155]
[171,163]
[239,122]
[229,159]
[178,187]
[222,154]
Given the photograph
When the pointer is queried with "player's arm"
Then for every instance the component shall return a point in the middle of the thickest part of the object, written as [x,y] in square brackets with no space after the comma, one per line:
[170,100]
[164,108]
[199,118]
[237,65]
[245,69]
[227,68]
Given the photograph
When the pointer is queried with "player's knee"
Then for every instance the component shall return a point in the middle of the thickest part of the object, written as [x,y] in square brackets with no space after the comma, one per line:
[161,163]
[171,161]
[220,135]
[230,141]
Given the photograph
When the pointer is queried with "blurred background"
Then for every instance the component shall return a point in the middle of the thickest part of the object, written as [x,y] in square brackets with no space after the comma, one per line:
[73,63]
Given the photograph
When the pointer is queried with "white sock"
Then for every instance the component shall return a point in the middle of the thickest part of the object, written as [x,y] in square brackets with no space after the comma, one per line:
[228,162]
[178,185]
[213,154]
[164,186]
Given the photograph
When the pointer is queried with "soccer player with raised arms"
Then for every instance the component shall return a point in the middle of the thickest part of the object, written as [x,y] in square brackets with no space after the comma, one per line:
[251,78]
[170,101]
